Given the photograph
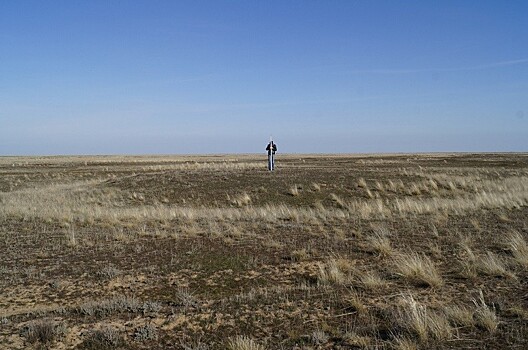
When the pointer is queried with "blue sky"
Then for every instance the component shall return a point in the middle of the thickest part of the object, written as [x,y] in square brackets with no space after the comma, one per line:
[137,77]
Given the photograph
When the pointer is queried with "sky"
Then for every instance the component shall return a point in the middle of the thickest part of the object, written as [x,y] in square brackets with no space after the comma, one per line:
[211,77]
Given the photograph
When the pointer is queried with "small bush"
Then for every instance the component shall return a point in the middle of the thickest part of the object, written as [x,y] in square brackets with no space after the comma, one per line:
[105,338]
[107,307]
[186,298]
[319,337]
[109,272]
[147,332]
[44,331]
[151,306]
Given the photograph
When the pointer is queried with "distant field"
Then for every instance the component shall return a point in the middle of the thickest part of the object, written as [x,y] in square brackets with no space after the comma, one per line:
[416,251]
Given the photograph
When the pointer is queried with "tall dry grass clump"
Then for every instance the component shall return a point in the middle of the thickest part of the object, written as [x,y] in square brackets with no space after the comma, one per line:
[418,269]
[380,242]
[516,244]
[340,203]
[403,343]
[467,259]
[294,190]
[460,315]
[371,280]
[354,301]
[241,200]
[491,264]
[423,322]
[330,272]
[485,315]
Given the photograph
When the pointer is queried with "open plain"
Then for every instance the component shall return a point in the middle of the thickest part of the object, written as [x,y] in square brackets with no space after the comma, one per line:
[417,251]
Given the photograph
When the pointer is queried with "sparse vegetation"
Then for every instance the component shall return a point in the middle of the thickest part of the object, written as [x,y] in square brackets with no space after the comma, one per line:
[392,252]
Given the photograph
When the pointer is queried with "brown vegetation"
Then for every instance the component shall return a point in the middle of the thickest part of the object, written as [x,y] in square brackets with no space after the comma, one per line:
[215,252]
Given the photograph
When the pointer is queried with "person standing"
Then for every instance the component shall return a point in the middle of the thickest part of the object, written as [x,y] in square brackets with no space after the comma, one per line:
[271,148]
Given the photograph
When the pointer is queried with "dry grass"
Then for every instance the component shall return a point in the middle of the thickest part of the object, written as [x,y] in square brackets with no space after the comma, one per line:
[418,269]
[403,343]
[491,264]
[107,337]
[485,315]
[371,281]
[300,254]
[423,322]
[329,272]
[315,187]
[467,259]
[241,200]
[294,190]
[358,340]
[517,245]
[460,315]
[380,242]
[44,331]
[178,249]
[354,301]
[243,343]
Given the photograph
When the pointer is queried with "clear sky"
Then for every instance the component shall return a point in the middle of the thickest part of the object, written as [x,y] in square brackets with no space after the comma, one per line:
[179,77]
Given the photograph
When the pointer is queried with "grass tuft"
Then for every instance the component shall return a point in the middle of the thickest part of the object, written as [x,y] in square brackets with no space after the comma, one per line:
[243,343]
[493,265]
[380,242]
[485,315]
[518,247]
[423,322]
[460,315]
[330,273]
[419,269]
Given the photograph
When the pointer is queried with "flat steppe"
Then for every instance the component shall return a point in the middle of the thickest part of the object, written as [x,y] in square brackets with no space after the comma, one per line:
[403,251]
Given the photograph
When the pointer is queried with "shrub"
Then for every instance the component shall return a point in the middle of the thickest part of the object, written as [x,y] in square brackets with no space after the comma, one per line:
[147,332]
[105,338]
[44,331]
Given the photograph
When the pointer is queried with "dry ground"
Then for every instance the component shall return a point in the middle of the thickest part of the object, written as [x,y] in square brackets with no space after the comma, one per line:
[327,252]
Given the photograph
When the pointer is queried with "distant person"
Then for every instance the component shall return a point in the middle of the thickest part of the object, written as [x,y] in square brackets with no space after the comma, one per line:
[271,148]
